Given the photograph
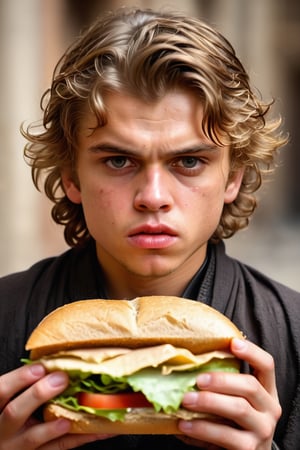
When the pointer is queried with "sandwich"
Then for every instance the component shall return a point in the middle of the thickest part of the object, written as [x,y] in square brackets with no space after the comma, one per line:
[130,362]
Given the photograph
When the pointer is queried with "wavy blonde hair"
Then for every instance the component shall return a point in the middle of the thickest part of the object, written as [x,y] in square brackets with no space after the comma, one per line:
[147,53]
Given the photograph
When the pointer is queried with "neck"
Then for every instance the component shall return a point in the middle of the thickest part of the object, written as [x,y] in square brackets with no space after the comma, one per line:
[130,285]
[142,287]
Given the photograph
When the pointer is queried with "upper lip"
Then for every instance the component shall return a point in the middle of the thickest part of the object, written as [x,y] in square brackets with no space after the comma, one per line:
[148,228]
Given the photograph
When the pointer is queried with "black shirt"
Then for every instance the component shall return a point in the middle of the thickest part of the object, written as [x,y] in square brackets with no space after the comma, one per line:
[267,312]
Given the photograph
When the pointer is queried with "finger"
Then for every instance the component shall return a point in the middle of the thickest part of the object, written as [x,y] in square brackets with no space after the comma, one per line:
[238,398]
[234,410]
[17,411]
[13,382]
[196,443]
[38,435]
[236,385]
[232,396]
[73,441]
[51,436]
[218,434]
[261,362]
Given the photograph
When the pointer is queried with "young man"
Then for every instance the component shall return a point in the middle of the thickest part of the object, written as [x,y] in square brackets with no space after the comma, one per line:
[153,145]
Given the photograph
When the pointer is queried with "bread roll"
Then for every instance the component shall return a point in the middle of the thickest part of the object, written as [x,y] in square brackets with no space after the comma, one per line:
[137,421]
[97,325]
[143,321]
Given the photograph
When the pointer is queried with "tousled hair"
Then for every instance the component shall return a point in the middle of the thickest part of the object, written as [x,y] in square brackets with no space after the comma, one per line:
[146,54]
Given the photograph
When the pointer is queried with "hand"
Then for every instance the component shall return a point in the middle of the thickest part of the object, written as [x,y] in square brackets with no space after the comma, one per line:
[249,404]
[22,391]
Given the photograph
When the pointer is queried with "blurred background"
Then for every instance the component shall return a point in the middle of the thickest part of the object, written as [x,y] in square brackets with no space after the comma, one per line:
[34,34]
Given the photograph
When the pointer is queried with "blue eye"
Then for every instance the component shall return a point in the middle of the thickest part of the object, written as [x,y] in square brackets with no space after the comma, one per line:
[188,165]
[117,162]
[189,162]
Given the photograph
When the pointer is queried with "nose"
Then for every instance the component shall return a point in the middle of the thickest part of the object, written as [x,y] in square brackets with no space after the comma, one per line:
[153,190]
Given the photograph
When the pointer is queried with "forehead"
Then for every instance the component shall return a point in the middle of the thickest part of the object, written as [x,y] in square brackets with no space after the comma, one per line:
[177,108]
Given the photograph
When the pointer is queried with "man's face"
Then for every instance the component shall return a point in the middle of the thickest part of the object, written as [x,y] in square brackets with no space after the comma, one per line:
[152,186]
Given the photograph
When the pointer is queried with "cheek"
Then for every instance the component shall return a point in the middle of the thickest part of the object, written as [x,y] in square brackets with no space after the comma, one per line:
[208,192]
[207,203]
[104,201]
[105,197]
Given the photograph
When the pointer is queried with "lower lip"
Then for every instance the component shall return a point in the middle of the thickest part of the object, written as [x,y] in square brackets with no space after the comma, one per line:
[152,241]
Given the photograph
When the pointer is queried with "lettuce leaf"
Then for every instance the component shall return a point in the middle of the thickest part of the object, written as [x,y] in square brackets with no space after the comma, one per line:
[165,392]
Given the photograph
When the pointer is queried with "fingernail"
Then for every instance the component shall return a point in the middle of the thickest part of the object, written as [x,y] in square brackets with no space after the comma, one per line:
[63,425]
[185,425]
[190,399]
[57,379]
[203,380]
[239,344]
[37,370]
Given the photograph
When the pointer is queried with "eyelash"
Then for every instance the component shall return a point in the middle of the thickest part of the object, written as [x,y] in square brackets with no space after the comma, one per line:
[178,163]
[181,160]
[109,161]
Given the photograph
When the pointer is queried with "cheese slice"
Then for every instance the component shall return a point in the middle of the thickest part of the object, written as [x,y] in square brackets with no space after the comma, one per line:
[118,362]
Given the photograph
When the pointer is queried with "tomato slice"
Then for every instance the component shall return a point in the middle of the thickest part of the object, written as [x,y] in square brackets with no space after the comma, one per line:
[113,401]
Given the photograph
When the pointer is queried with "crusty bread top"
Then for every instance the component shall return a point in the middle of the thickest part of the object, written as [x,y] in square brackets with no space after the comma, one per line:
[140,322]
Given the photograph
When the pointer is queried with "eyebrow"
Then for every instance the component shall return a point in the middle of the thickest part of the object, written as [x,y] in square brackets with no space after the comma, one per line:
[109,148]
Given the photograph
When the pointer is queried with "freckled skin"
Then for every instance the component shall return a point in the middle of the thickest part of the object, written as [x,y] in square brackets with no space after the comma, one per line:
[151,165]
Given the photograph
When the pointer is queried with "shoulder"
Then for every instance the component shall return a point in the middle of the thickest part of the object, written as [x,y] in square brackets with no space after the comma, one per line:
[26,279]
[253,279]
[253,299]
[268,313]
[27,296]
[20,309]
[47,284]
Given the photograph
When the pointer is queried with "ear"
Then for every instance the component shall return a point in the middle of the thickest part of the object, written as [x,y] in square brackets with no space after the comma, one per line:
[233,185]
[71,186]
